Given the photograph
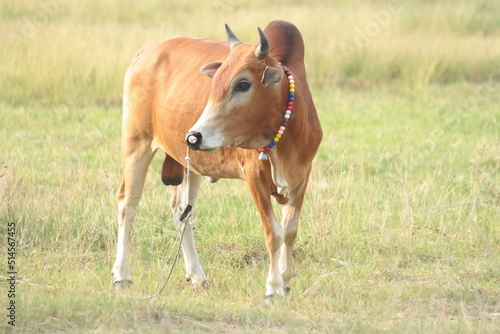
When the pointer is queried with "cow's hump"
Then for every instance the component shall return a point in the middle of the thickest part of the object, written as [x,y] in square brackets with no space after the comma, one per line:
[287,45]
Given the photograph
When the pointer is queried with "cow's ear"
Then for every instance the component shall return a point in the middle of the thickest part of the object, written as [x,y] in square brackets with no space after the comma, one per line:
[272,75]
[211,68]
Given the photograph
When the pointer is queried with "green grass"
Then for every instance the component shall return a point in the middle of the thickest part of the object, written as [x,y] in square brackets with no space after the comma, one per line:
[399,231]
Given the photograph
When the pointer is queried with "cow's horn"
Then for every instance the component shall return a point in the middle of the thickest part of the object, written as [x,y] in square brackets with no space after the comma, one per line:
[263,48]
[231,38]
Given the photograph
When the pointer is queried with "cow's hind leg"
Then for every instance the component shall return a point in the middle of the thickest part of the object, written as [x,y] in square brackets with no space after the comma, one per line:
[181,197]
[136,158]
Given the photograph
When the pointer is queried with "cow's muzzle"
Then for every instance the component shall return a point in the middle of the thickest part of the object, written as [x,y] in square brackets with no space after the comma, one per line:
[193,140]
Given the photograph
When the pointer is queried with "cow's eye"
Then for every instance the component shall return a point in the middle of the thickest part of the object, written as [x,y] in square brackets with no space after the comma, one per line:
[242,86]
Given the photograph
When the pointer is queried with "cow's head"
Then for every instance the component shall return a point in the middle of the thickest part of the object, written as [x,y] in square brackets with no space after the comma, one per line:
[247,99]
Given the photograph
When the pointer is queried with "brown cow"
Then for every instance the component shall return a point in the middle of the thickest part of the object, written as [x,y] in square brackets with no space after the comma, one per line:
[237,109]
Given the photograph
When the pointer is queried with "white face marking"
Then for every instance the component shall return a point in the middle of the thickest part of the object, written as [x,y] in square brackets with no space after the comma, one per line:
[217,117]
[211,140]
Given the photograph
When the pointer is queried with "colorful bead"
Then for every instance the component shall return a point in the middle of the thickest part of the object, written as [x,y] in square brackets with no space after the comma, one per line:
[288,111]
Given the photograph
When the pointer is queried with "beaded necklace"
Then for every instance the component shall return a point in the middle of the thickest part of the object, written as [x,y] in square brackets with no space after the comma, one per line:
[288,112]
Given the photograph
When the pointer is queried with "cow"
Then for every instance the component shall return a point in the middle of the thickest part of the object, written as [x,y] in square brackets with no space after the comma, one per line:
[251,116]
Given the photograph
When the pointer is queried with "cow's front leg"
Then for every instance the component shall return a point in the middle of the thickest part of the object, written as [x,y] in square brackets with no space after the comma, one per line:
[260,189]
[178,204]
[290,222]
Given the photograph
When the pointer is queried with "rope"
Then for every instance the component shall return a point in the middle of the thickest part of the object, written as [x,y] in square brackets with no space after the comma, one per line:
[184,218]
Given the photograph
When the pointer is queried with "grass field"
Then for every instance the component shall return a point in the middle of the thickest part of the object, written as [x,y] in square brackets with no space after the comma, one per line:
[400,229]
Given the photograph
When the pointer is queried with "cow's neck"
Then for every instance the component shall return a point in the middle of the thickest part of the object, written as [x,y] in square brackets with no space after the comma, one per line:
[270,153]
[301,140]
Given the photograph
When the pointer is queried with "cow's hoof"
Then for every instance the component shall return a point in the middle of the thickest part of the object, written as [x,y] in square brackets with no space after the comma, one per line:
[201,287]
[205,284]
[287,289]
[120,285]
[271,299]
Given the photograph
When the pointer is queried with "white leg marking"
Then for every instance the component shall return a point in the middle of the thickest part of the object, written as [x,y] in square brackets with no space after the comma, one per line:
[121,271]
[274,284]
[289,221]
[194,270]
